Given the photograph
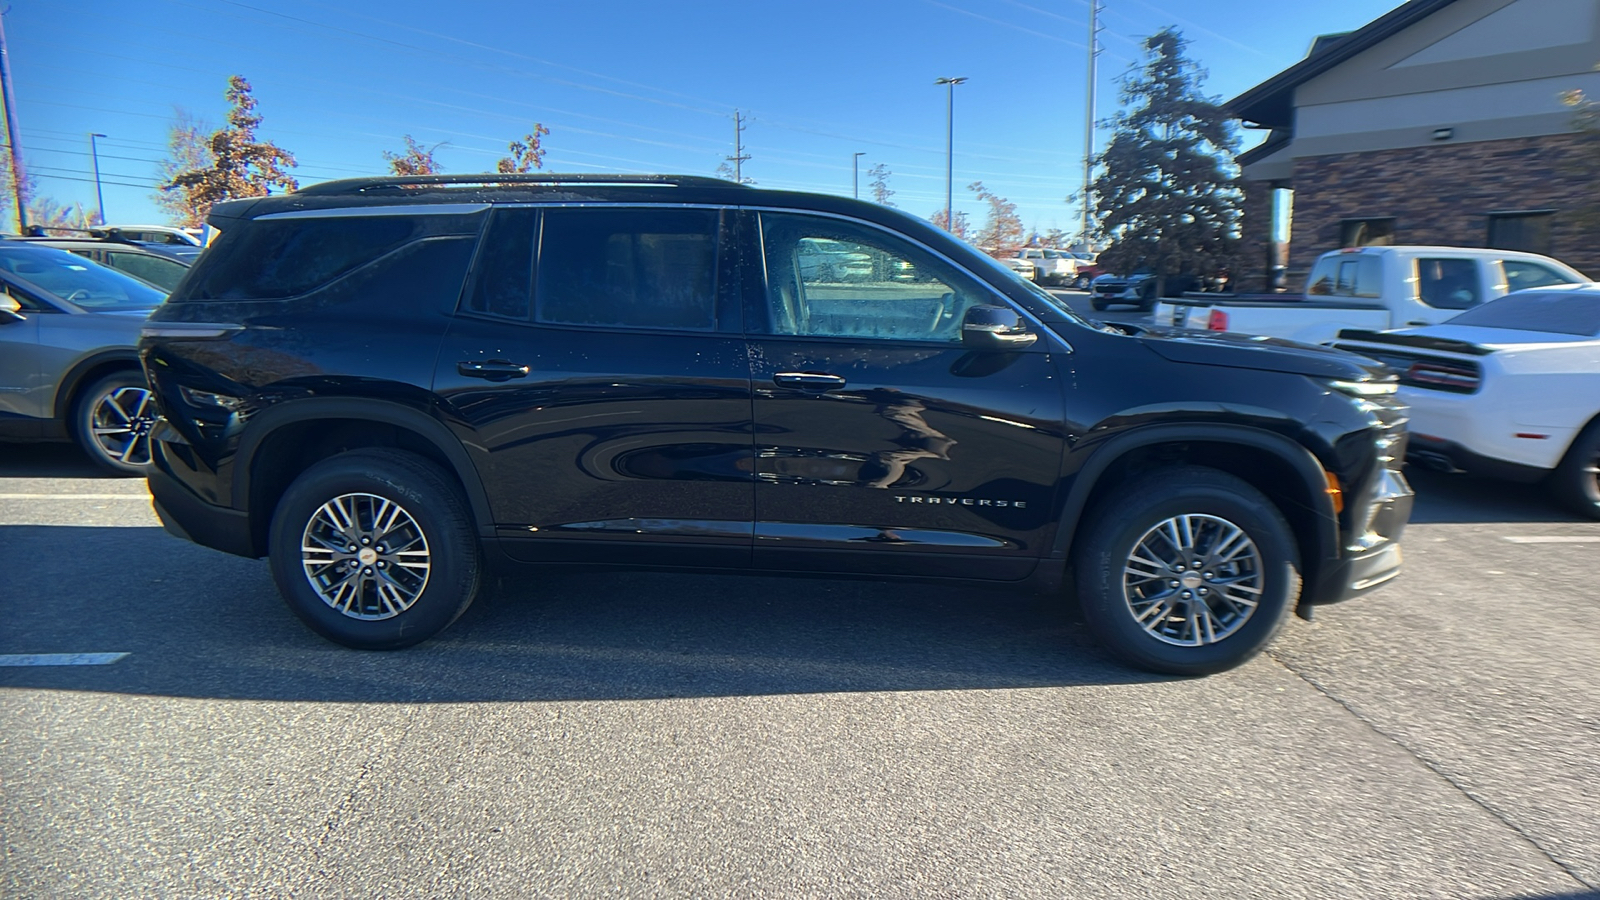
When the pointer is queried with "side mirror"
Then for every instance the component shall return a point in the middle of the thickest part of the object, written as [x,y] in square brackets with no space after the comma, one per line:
[995,328]
[10,310]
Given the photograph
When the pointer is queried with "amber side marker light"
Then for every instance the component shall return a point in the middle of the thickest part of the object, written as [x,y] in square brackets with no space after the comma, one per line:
[1335,494]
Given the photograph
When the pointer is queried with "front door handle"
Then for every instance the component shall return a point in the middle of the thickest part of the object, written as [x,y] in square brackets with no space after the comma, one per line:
[810,381]
[492,369]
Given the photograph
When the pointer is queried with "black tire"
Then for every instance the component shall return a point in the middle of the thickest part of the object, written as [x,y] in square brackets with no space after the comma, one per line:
[111,421]
[1575,483]
[1081,282]
[1110,535]
[433,503]
[1098,304]
[1147,299]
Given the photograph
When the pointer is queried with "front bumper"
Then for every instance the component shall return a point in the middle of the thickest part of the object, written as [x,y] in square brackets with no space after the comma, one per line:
[1372,557]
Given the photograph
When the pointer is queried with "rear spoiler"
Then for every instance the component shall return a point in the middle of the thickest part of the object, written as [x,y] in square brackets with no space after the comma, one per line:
[1414,340]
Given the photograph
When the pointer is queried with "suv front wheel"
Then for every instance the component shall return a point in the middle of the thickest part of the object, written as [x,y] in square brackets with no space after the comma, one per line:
[1188,571]
[374,549]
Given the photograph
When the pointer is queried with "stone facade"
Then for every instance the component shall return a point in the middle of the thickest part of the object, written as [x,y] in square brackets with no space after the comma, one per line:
[1255,238]
[1443,194]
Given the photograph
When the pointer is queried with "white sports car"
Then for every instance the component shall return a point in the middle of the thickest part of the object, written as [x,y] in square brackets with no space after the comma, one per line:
[1509,389]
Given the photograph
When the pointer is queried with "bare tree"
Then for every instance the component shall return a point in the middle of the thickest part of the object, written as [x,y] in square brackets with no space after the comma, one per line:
[880,184]
[187,151]
[1002,230]
[962,227]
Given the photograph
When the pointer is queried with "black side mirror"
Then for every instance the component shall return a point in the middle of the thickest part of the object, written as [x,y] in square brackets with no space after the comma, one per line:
[995,328]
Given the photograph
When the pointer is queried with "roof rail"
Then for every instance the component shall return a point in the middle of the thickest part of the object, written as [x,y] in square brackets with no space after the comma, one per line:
[498,179]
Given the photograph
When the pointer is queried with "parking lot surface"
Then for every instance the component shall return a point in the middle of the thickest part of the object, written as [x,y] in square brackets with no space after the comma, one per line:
[581,734]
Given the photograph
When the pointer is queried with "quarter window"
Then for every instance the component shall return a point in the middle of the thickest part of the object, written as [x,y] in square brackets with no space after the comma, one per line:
[828,278]
[628,268]
[274,259]
[503,281]
[1448,283]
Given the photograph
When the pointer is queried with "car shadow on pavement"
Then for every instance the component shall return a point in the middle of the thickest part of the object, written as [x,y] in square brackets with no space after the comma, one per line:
[1445,498]
[49,460]
[198,623]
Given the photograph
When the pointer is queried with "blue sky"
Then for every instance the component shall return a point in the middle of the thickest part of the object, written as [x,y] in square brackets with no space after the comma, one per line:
[624,86]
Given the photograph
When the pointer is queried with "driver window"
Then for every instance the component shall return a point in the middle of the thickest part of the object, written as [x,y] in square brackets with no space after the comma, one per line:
[828,278]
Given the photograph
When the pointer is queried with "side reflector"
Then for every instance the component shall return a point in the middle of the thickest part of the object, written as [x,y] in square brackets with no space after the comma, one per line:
[1533,437]
[1217,321]
[1334,492]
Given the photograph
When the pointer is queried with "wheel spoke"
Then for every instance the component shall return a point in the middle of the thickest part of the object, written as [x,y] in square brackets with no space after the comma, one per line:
[385,584]
[1213,609]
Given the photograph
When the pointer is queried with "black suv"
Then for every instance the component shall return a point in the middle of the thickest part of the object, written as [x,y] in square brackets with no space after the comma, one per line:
[386,385]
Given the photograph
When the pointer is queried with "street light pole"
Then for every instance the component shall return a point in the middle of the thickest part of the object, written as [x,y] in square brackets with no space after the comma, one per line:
[855,174]
[949,150]
[94,152]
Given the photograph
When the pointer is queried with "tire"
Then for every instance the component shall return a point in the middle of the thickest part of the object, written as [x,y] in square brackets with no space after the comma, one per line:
[393,599]
[1114,592]
[1575,483]
[111,421]
[1081,282]
[1147,299]
[1098,304]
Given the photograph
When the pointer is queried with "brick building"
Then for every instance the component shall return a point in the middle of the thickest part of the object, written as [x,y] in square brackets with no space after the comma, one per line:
[1439,123]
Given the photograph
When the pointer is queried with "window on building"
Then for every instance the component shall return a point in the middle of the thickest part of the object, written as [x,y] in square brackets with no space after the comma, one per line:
[1377,232]
[1525,231]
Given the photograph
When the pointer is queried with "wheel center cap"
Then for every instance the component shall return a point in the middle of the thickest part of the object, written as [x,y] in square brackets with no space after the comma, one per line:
[368,556]
[1191,580]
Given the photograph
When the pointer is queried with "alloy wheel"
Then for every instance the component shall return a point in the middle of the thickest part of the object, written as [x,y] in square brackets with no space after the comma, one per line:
[121,422]
[365,556]
[1193,580]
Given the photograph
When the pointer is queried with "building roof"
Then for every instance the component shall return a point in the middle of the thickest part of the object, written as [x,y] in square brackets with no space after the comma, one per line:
[1271,103]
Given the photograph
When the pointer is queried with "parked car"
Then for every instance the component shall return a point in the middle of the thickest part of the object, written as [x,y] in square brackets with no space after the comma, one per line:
[68,366]
[1374,289]
[155,264]
[1088,269]
[148,234]
[1024,268]
[384,385]
[1138,289]
[1509,389]
[1051,266]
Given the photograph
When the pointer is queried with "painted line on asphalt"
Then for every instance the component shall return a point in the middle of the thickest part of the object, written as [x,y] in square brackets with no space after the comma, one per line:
[1554,539]
[74,496]
[59,659]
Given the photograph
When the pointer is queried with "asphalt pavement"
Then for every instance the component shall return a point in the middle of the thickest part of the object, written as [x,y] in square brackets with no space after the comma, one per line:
[669,735]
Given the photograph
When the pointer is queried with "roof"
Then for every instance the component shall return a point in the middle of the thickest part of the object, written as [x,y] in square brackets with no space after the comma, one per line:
[1271,103]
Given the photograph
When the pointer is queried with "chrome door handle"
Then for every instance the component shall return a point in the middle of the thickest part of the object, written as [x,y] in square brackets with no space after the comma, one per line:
[810,381]
[493,370]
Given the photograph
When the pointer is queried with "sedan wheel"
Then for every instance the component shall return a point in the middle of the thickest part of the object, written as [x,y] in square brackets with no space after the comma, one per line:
[113,421]
[1575,483]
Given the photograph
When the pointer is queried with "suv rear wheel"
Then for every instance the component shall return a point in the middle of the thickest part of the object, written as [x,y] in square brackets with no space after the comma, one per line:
[111,421]
[374,549]
[1188,571]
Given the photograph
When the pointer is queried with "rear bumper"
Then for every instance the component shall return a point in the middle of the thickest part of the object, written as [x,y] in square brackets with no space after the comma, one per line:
[187,516]
[1449,456]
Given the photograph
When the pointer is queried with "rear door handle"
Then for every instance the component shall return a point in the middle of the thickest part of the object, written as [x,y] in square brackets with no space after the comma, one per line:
[810,381]
[493,369]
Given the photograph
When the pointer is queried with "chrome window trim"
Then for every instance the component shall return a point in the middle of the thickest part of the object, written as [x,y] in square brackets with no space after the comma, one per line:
[345,212]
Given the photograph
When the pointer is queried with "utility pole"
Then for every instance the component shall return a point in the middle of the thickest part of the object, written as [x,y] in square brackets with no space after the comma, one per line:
[1088,127]
[855,174]
[739,156]
[94,153]
[949,149]
[17,174]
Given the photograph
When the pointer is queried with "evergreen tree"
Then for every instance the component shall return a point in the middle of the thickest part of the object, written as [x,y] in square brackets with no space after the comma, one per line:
[241,165]
[1167,195]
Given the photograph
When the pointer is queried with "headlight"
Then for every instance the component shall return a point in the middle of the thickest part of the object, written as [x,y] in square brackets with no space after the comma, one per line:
[1365,388]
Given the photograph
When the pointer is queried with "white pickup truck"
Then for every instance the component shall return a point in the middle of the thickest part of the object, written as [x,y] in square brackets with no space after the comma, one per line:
[1053,266]
[1373,289]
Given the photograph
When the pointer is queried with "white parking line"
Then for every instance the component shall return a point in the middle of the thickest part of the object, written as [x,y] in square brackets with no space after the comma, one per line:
[1554,539]
[59,659]
[74,496]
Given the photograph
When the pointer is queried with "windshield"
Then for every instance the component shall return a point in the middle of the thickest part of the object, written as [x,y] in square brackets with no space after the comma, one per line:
[1552,312]
[67,276]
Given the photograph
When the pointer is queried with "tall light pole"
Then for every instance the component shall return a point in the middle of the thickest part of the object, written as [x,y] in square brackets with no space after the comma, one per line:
[94,153]
[18,178]
[1088,126]
[855,174]
[949,150]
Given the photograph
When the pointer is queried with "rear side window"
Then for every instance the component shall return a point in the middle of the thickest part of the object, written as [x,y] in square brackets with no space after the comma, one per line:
[1448,283]
[1353,275]
[503,283]
[274,259]
[628,268]
[1522,274]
